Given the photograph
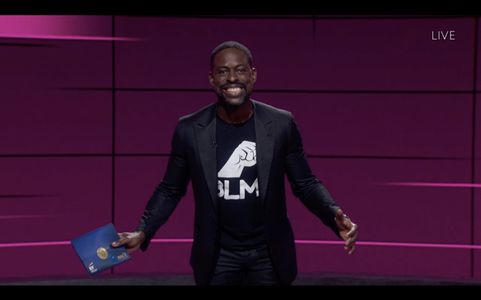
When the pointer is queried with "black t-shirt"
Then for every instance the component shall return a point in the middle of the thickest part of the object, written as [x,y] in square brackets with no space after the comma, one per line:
[238,189]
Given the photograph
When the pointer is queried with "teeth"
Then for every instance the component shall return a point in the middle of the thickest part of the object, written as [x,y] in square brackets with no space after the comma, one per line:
[233,91]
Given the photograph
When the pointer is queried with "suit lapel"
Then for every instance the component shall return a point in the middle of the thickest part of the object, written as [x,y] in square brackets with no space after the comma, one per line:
[264,147]
[206,135]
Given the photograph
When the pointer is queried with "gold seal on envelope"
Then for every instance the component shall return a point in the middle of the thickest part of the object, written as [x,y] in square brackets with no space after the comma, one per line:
[102,253]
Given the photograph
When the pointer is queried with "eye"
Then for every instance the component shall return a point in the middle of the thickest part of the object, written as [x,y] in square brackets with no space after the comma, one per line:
[221,72]
[241,71]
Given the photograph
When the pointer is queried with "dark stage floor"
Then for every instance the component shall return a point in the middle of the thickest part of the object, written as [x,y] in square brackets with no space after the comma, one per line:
[302,280]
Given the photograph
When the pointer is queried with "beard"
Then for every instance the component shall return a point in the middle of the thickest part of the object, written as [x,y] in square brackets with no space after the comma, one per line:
[232,102]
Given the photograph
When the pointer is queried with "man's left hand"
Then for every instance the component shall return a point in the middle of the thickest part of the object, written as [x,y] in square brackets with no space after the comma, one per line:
[348,230]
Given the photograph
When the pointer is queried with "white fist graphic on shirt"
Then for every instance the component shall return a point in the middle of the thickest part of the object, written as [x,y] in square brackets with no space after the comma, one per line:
[243,156]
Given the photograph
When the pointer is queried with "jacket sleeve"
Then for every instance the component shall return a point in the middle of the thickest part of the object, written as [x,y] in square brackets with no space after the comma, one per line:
[306,186]
[170,190]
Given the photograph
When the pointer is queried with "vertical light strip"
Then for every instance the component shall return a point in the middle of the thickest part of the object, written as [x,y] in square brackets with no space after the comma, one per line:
[113,126]
[473,137]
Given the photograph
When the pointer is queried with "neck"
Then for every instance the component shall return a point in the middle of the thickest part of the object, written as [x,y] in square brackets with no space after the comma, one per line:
[235,114]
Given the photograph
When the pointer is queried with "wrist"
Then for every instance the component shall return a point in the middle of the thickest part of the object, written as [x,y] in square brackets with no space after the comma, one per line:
[142,236]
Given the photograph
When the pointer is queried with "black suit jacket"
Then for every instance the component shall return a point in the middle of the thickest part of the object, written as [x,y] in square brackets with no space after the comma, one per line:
[279,152]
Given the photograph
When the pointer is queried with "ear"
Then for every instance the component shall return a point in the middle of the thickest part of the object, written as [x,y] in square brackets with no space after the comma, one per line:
[211,78]
[254,75]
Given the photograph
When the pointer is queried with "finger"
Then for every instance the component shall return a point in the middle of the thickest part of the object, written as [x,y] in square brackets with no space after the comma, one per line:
[243,154]
[250,156]
[249,147]
[121,235]
[351,240]
[120,242]
[356,232]
[250,151]
[353,231]
[349,243]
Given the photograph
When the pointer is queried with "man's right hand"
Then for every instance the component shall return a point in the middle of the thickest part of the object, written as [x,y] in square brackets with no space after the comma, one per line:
[131,240]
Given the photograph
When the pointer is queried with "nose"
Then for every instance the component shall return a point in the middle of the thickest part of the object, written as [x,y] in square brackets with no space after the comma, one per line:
[232,76]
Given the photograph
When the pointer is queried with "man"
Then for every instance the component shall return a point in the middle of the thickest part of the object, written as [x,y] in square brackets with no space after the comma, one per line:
[236,152]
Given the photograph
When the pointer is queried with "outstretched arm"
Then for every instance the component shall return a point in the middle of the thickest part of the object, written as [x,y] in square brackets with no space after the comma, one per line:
[313,194]
[165,198]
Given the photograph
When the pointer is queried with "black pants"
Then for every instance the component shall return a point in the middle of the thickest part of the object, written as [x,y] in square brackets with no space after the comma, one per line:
[244,267]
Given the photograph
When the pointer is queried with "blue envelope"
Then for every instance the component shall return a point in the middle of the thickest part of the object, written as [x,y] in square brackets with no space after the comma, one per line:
[95,250]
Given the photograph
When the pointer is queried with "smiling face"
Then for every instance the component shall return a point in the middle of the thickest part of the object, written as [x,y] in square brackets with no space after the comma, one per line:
[232,76]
